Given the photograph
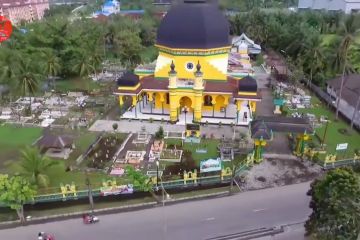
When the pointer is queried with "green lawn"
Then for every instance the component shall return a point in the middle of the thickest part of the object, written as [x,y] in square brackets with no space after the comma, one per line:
[76,84]
[333,136]
[13,139]
[209,144]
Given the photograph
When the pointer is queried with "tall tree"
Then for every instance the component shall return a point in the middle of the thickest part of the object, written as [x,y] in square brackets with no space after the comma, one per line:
[27,77]
[35,166]
[15,192]
[314,57]
[141,181]
[52,66]
[348,31]
[129,47]
[334,199]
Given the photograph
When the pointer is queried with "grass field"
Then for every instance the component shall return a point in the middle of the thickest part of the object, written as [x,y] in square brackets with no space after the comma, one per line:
[76,84]
[13,139]
[209,144]
[333,136]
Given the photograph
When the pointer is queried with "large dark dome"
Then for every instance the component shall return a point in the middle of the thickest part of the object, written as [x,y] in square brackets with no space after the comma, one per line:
[194,24]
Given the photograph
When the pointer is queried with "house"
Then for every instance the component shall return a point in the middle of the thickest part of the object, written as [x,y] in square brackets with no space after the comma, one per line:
[196,77]
[109,7]
[56,146]
[350,97]
[347,6]
[241,42]
[23,10]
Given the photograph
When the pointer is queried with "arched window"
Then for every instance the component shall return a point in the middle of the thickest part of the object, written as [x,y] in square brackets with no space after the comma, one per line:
[207,100]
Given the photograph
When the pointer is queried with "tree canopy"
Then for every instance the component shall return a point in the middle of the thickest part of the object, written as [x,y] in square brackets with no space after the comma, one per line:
[15,191]
[336,206]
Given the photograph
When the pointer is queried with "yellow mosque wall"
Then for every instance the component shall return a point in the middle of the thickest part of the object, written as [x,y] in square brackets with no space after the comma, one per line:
[214,67]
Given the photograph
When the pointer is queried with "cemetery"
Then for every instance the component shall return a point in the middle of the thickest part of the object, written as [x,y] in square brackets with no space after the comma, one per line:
[73,109]
[329,132]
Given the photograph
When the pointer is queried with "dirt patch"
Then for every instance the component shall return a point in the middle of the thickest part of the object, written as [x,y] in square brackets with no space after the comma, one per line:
[278,172]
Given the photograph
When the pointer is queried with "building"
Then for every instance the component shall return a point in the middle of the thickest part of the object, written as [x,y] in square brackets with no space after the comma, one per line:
[56,146]
[350,97]
[347,6]
[243,43]
[23,10]
[109,7]
[191,81]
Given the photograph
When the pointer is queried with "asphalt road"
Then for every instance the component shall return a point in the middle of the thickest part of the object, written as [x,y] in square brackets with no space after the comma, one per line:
[190,220]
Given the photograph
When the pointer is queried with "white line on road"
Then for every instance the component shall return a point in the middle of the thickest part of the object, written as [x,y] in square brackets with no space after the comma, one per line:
[259,210]
[210,219]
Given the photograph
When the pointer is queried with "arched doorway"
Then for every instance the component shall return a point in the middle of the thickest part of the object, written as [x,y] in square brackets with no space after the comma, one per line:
[186,102]
[184,109]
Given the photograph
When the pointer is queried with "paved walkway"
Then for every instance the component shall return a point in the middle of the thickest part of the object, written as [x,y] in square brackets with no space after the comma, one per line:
[135,126]
[266,106]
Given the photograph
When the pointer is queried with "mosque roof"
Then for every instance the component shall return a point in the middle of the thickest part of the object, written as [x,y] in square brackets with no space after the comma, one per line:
[194,24]
[128,80]
[247,84]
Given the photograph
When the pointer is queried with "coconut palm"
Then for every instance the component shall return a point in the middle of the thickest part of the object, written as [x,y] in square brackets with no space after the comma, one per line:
[35,166]
[315,57]
[83,65]
[27,78]
[52,66]
[349,30]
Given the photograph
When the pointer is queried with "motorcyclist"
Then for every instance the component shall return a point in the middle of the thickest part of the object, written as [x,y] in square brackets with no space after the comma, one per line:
[41,236]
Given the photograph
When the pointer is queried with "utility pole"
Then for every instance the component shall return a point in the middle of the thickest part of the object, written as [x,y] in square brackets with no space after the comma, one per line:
[88,184]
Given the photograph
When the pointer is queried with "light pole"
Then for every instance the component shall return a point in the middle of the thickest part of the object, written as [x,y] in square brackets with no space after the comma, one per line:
[88,184]
[157,174]
[185,110]
[163,204]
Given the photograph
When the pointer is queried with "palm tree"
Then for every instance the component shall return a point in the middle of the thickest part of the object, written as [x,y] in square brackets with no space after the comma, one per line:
[52,66]
[349,31]
[83,66]
[35,166]
[314,56]
[27,79]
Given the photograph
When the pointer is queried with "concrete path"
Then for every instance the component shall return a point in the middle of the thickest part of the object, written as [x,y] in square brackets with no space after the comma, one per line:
[135,126]
[190,220]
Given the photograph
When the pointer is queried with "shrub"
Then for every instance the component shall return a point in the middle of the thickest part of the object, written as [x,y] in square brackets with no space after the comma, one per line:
[115,126]
[160,133]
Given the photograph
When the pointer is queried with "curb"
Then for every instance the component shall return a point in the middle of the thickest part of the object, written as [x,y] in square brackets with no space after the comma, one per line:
[113,210]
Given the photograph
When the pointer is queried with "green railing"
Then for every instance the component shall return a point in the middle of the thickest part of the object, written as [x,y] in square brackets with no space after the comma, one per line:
[340,163]
[181,183]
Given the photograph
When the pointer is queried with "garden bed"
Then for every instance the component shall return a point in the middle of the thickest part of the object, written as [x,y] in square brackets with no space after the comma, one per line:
[102,154]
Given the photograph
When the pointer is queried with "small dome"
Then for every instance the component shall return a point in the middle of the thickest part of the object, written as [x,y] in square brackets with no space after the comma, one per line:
[196,24]
[247,84]
[128,80]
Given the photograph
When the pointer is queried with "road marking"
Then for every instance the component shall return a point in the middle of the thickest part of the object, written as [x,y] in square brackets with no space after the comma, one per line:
[210,219]
[259,210]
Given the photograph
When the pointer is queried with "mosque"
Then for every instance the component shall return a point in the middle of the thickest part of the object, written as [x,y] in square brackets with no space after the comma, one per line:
[196,77]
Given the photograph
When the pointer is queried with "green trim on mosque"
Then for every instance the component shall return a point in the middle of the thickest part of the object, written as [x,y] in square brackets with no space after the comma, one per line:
[184,53]
[145,72]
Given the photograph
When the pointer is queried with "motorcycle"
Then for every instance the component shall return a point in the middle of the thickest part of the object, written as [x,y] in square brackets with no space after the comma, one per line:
[45,236]
[89,219]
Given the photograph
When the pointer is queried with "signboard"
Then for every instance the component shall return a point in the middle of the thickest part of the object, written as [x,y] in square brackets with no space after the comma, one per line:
[193,127]
[116,190]
[154,173]
[210,165]
[5,29]
[342,146]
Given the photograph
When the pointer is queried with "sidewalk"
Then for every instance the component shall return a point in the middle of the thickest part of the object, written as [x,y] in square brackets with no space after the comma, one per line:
[135,126]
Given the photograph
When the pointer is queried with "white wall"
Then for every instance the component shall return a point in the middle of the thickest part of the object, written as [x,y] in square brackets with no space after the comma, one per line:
[349,6]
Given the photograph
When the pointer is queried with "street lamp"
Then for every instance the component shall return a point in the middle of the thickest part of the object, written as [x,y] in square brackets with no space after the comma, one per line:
[185,110]
[157,174]
[88,184]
